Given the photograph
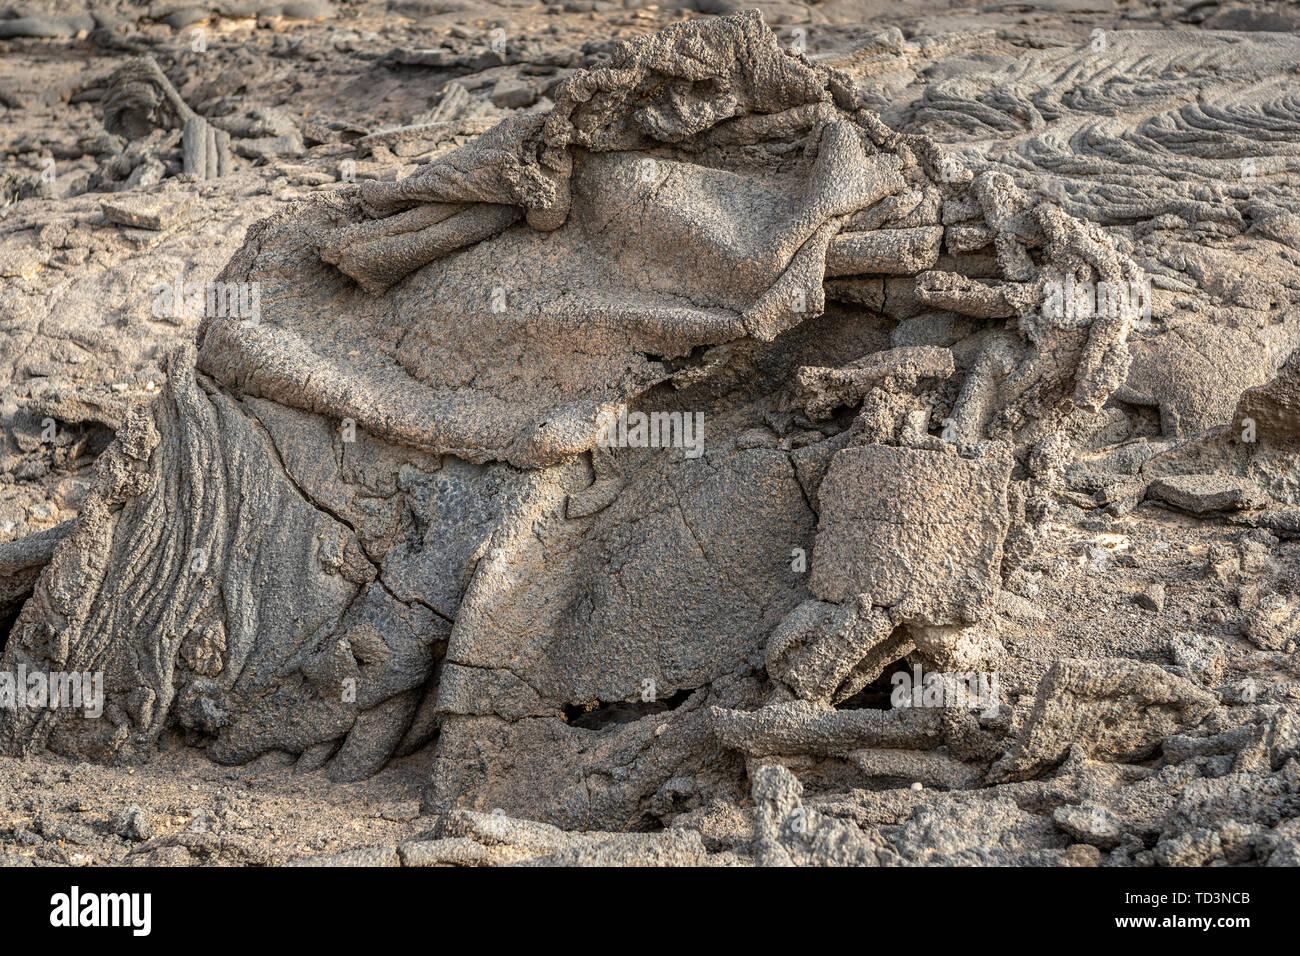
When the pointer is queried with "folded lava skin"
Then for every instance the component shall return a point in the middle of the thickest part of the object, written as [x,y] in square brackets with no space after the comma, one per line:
[380,514]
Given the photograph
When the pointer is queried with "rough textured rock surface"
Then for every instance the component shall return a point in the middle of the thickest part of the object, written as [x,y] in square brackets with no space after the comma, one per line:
[962,526]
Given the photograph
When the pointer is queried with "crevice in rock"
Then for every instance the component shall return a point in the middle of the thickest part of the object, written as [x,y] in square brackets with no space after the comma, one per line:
[8,618]
[876,695]
[598,714]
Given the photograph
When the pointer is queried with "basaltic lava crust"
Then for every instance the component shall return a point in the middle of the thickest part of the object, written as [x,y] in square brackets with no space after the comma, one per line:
[721,457]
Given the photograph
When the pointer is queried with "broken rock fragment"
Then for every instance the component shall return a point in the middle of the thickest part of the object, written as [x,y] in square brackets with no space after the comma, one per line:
[1272,412]
[828,652]
[146,212]
[140,99]
[919,531]
[1205,494]
[819,391]
[1114,708]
